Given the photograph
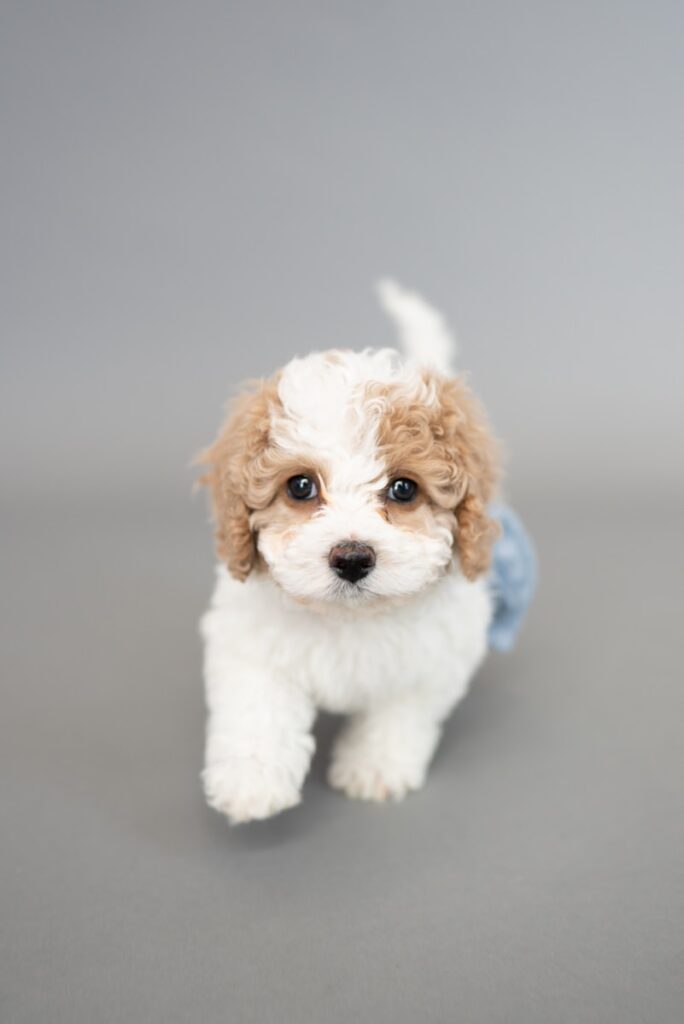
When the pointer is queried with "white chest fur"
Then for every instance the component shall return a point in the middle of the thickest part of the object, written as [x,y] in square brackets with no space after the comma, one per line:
[343,659]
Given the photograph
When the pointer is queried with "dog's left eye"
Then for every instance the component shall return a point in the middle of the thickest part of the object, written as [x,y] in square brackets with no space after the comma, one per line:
[402,490]
[302,488]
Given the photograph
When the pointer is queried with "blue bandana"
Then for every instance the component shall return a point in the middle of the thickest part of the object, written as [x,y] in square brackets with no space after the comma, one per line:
[512,578]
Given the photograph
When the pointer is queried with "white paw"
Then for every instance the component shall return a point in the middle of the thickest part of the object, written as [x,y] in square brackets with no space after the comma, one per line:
[374,770]
[245,789]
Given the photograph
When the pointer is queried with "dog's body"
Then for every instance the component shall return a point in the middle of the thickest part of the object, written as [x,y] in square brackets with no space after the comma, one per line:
[270,663]
[350,495]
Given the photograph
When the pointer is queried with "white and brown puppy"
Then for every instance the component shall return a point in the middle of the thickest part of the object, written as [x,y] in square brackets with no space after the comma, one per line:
[350,498]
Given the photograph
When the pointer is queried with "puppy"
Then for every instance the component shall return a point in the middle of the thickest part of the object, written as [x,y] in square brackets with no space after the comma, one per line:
[350,495]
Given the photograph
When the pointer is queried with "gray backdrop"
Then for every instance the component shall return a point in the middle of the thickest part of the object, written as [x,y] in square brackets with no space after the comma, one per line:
[192,193]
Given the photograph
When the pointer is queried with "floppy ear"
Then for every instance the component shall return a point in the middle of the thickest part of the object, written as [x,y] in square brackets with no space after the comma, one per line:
[474,453]
[475,536]
[232,463]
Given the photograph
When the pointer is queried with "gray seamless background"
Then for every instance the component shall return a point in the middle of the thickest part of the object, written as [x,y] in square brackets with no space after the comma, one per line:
[193,193]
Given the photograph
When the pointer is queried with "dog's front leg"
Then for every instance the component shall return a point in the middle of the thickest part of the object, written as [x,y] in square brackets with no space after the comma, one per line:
[384,753]
[258,744]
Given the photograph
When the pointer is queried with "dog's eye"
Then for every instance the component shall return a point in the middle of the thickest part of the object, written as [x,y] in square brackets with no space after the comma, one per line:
[302,488]
[402,490]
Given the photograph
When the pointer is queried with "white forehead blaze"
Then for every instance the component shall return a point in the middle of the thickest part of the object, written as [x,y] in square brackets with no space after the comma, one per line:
[327,416]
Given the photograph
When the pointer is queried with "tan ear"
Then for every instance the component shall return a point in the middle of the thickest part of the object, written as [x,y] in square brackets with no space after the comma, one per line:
[232,463]
[475,536]
[474,452]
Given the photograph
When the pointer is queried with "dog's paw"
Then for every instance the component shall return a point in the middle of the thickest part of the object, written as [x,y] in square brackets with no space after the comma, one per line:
[374,770]
[245,789]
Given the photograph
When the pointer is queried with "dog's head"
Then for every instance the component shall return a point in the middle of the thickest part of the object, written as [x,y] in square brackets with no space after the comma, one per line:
[353,478]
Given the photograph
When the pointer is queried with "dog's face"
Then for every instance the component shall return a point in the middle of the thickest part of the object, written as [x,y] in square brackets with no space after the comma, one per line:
[352,478]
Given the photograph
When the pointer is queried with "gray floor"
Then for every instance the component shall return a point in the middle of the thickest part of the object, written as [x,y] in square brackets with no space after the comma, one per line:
[537,878]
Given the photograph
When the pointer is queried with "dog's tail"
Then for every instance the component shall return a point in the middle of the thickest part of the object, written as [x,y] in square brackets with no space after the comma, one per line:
[424,334]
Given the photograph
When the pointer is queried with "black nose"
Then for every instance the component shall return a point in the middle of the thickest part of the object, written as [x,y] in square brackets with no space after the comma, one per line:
[351,560]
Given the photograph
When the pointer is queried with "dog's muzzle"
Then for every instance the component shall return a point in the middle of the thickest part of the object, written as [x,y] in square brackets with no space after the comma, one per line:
[352,560]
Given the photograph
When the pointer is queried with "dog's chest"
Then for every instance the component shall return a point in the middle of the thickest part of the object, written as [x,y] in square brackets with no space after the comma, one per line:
[350,665]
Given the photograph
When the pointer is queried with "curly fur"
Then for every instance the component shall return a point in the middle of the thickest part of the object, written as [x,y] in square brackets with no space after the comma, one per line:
[447,444]
[285,635]
[242,466]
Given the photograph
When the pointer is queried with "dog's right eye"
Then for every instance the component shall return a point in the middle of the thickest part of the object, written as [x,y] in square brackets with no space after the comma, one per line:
[302,488]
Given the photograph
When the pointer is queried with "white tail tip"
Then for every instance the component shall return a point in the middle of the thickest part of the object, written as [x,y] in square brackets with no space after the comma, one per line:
[424,334]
